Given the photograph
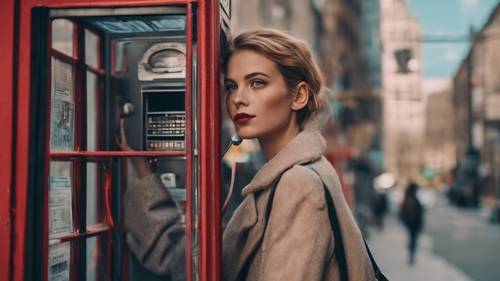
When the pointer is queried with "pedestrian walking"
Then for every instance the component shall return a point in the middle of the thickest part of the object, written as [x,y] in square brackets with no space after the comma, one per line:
[411,214]
[380,208]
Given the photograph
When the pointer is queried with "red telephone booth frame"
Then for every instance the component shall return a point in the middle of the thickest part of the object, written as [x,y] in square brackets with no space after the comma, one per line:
[15,78]
[7,74]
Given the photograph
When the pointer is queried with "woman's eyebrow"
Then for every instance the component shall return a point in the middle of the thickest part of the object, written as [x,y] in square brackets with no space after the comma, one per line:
[228,80]
[253,74]
[248,76]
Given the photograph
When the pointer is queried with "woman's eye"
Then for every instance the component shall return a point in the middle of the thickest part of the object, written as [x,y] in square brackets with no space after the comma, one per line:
[231,87]
[257,83]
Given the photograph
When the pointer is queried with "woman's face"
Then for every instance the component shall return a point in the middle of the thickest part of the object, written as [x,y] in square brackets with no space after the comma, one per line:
[258,100]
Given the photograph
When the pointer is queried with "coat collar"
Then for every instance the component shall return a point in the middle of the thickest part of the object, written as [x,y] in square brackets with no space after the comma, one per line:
[306,147]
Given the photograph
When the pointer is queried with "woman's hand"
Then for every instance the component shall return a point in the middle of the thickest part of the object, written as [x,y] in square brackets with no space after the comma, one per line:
[141,164]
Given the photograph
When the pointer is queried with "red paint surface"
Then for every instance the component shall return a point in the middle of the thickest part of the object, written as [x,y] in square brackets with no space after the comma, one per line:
[6,115]
[210,242]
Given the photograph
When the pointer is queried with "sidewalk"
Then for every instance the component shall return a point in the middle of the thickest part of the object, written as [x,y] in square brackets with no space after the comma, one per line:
[389,249]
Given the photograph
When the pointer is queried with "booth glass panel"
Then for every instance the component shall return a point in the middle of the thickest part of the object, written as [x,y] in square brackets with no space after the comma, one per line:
[92,253]
[62,36]
[92,110]
[94,190]
[97,262]
[92,47]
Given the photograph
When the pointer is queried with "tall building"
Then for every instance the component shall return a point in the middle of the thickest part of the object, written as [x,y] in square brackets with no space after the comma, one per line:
[403,103]
[476,101]
[439,142]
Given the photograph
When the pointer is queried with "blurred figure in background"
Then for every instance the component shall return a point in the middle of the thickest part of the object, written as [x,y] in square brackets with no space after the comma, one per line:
[380,208]
[411,214]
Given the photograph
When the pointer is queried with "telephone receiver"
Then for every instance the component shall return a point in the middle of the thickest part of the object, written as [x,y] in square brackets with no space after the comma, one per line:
[235,140]
[127,109]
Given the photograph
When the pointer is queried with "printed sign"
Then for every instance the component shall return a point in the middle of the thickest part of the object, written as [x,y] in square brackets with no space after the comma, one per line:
[60,215]
[62,107]
[59,262]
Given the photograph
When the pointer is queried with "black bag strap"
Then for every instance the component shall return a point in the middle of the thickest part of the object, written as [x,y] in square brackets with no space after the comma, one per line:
[334,224]
[339,244]
[378,273]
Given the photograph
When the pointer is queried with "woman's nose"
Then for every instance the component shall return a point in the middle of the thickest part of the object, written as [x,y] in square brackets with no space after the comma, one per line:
[239,97]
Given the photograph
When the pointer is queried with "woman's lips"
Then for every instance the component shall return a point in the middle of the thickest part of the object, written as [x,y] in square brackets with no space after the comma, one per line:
[241,118]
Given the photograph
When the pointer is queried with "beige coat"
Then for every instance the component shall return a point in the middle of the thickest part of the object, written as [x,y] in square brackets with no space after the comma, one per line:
[298,243]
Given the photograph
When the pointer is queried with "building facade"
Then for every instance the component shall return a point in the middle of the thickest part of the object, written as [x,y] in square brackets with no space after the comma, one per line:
[439,140]
[403,103]
[476,97]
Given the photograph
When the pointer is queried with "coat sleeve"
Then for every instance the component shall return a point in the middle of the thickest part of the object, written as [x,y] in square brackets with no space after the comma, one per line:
[298,242]
[154,230]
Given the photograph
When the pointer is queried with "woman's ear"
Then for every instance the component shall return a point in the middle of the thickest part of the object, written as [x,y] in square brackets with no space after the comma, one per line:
[301,96]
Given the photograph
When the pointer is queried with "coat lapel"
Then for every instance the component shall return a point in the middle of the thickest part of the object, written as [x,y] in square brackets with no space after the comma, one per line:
[243,234]
[306,147]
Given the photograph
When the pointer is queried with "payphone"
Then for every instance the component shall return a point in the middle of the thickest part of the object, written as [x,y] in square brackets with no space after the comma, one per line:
[152,81]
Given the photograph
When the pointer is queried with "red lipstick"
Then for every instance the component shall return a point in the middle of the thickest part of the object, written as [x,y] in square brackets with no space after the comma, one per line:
[241,118]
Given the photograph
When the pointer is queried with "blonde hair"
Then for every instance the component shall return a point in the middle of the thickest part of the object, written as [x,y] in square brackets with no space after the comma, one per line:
[291,55]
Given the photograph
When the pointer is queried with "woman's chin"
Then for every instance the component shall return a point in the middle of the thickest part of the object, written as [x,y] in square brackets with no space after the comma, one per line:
[245,134]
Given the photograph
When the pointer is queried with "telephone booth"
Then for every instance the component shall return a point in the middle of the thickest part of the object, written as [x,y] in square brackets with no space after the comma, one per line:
[71,70]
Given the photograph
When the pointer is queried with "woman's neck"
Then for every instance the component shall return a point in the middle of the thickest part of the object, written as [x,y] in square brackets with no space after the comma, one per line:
[274,143]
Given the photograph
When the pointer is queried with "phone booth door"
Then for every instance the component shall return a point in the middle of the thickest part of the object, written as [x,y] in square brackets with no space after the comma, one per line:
[101,75]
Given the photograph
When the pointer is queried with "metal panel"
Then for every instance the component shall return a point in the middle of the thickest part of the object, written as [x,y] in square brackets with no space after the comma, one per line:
[86,12]
[189,147]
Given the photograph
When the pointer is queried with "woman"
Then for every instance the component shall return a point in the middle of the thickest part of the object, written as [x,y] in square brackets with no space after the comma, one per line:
[273,94]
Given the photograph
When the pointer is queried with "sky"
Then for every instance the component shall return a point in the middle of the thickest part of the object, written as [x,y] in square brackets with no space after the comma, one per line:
[443,59]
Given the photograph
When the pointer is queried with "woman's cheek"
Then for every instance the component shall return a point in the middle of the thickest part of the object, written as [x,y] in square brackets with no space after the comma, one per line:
[229,108]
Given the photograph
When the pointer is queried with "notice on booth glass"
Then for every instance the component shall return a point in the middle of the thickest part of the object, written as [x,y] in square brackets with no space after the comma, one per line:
[60,206]
[59,262]
[62,125]
[62,107]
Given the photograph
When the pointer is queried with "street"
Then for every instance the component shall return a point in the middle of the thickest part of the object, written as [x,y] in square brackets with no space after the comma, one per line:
[467,240]
[457,245]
